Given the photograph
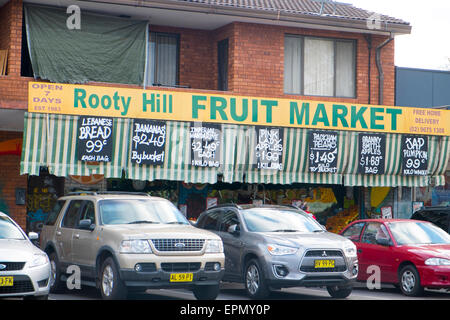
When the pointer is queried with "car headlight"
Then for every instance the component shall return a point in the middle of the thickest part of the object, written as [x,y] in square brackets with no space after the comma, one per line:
[277,250]
[39,259]
[437,262]
[350,250]
[135,246]
[214,246]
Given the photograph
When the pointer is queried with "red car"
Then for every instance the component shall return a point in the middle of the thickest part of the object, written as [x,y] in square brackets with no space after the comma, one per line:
[410,254]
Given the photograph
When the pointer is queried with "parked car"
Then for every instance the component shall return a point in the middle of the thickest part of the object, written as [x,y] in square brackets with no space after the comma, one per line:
[271,247]
[24,268]
[411,254]
[127,242]
[440,216]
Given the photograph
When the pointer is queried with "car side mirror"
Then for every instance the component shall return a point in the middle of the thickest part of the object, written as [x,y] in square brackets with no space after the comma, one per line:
[384,242]
[234,229]
[86,224]
[33,236]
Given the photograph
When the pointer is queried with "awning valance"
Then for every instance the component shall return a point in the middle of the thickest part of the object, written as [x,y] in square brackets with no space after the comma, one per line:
[51,141]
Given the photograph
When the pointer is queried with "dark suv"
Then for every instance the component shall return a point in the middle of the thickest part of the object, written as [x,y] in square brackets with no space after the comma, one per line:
[272,247]
[440,216]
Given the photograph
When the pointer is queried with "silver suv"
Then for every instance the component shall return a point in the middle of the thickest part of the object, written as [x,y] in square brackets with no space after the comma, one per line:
[270,247]
[126,243]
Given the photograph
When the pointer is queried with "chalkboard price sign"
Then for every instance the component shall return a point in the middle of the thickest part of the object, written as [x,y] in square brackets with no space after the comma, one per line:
[206,141]
[323,149]
[148,142]
[94,141]
[414,155]
[269,148]
[371,153]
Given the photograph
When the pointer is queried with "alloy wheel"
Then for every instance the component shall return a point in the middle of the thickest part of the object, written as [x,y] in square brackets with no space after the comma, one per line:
[108,281]
[253,280]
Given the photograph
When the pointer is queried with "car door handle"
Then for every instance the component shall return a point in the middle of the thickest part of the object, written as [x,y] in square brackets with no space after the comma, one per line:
[58,233]
[76,236]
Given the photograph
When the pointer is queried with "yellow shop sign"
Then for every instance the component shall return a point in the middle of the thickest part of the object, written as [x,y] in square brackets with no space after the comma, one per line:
[195,106]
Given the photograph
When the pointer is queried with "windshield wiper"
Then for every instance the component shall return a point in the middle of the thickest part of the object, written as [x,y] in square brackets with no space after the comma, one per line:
[285,230]
[319,230]
[176,222]
[142,221]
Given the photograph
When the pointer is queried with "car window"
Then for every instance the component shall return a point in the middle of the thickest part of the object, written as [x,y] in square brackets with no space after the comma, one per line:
[88,212]
[416,233]
[209,220]
[373,232]
[72,214]
[354,232]
[8,230]
[54,213]
[229,218]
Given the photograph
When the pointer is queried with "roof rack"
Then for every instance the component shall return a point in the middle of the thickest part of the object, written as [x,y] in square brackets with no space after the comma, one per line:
[94,193]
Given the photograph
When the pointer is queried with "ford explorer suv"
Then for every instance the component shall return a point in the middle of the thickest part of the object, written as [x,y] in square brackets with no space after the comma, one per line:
[272,247]
[125,243]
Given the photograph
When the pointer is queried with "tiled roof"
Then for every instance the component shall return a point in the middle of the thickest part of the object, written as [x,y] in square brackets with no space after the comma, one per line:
[302,7]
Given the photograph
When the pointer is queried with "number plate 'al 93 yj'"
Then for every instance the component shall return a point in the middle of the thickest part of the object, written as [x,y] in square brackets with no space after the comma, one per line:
[6,281]
[323,263]
[181,277]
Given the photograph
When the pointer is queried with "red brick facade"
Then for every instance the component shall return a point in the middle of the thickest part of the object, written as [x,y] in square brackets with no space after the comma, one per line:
[256,68]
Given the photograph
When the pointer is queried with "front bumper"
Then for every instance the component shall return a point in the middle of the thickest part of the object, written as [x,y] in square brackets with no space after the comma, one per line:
[302,273]
[155,271]
[27,282]
[436,277]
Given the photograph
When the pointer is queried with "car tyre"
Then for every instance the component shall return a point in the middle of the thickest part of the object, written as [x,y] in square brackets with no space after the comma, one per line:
[111,286]
[339,292]
[206,292]
[56,284]
[255,281]
[410,281]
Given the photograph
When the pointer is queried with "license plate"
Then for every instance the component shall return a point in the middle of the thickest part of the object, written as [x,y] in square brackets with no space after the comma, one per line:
[323,263]
[6,281]
[181,277]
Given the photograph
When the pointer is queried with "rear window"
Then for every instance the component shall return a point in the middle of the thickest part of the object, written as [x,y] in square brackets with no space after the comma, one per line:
[54,213]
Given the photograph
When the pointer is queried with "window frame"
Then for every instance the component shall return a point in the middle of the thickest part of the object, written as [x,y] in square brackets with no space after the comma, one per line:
[302,65]
[154,35]
[222,79]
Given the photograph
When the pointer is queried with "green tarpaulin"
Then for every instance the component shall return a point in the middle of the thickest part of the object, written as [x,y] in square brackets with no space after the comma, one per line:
[104,49]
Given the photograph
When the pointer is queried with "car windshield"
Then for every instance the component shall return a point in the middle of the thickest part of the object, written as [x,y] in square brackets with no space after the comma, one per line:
[8,230]
[137,211]
[414,233]
[278,220]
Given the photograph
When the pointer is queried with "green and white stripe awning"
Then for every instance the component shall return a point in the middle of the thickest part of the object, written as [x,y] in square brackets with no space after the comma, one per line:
[50,141]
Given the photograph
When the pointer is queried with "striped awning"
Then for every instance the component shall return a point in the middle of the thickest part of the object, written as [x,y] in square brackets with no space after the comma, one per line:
[50,141]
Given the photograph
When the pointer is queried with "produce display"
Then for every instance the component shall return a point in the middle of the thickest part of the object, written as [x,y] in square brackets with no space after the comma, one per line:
[337,222]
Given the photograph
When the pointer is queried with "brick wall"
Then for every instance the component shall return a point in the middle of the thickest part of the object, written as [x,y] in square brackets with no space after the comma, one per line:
[10,179]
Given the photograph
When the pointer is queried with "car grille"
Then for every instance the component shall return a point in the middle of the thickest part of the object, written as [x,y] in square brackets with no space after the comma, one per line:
[319,253]
[22,284]
[12,266]
[166,245]
[181,267]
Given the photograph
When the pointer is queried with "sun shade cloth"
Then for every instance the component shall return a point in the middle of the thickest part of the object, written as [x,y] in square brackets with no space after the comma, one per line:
[104,49]
[51,141]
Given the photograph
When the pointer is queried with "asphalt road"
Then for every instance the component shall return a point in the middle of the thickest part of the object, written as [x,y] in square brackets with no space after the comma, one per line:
[232,291]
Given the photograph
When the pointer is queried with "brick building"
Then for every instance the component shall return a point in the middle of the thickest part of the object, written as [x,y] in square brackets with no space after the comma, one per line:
[259,55]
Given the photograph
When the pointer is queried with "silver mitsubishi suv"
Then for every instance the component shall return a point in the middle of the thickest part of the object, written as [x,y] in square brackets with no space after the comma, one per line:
[124,243]
[271,247]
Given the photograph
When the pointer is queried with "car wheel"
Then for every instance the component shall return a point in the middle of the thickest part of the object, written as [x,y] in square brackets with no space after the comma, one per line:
[111,286]
[339,292]
[410,281]
[56,285]
[255,282]
[206,292]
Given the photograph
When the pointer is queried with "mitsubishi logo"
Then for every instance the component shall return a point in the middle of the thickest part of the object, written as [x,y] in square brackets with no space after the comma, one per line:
[324,253]
[2,266]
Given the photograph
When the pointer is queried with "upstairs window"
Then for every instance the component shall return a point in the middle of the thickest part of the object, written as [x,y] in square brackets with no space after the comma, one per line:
[222,59]
[163,60]
[319,66]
